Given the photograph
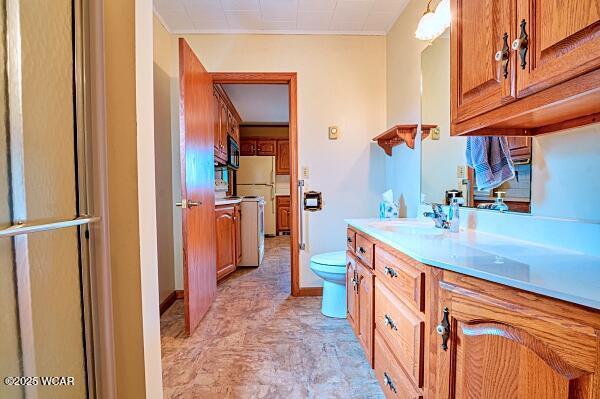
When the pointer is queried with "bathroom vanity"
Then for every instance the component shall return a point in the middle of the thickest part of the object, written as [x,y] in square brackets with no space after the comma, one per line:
[471,314]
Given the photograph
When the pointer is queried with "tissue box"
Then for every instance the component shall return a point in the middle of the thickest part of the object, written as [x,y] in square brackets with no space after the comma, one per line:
[388,210]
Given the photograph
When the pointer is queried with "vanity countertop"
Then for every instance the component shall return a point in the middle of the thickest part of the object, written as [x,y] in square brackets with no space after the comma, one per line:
[558,273]
[227,201]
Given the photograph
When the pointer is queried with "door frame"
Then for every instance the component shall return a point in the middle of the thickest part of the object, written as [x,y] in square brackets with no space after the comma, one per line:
[289,78]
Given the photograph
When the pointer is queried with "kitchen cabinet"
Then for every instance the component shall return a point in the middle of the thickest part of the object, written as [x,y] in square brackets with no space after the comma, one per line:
[226,124]
[520,148]
[283,214]
[248,147]
[502,342]
[266,147]
[219,147]
[524,67]
[226,240]
[282,158]
[237,220]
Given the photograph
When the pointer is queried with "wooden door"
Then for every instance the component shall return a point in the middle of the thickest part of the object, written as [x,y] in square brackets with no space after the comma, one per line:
[282,159]
[366,301]
[226,233]
[247,147]
[351,296]
[507,344]
[479,82]
[563,42]
[237,218]
[197,188]
[266,147]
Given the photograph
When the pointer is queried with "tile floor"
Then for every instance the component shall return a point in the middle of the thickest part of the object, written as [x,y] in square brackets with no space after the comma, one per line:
[259,342]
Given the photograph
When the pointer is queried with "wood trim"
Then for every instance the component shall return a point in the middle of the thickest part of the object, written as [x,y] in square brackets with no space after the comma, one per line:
[179,294]
[291,79]
[310,291]
[168,301]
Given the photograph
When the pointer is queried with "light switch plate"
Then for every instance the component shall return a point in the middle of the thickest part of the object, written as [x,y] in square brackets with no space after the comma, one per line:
[460,172]
[435,133]
[305,173]
[333,132]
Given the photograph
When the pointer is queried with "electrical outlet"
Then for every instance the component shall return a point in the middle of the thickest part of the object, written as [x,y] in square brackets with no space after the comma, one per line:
[305,173]
[333,132]
[460,172]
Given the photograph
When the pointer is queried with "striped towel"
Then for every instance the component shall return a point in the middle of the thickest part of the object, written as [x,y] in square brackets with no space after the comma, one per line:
[490,157]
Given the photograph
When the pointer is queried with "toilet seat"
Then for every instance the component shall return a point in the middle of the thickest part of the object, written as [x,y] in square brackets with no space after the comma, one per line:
[329,260]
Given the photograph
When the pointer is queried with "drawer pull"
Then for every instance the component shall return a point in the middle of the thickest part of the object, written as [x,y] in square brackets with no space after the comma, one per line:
[355,282]
[362,250]
[388,382]
[521,44]
[390,272]
[387,320]
[504,55]
[443,329]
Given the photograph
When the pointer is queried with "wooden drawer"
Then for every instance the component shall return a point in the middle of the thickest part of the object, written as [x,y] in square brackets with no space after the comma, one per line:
[364,250]
[402,329]
[403,279]
[393,380]
[351,240]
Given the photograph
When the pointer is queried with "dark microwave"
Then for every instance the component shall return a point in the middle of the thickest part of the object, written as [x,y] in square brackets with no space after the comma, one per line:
[233,153]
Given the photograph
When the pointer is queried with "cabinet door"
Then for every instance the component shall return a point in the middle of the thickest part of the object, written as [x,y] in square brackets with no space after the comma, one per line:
[563,41]
[507,344]
[478,81]
[217,123]
[282,160]
[247,147]
[265,147]
[351,296]
[226,257]
[237,218]
[224,130]
[520,147]
[365,326]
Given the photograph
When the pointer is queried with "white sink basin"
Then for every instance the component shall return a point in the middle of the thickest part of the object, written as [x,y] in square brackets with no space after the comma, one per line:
[407,227]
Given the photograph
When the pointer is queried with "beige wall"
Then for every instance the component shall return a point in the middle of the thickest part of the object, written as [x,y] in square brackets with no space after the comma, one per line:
[163,60]
[341,81]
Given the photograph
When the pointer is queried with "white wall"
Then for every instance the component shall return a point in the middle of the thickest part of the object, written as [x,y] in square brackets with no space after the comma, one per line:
[341,81]
[565,178]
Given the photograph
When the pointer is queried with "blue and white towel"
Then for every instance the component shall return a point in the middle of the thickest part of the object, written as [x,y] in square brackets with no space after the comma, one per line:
[490,157]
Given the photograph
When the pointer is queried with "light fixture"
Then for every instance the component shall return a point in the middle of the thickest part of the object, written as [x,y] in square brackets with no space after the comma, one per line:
[434,23]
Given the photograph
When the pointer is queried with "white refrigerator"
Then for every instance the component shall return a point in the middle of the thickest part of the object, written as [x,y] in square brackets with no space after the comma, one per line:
[256,177]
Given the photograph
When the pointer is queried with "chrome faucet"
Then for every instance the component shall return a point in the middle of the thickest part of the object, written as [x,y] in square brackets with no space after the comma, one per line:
[439,216]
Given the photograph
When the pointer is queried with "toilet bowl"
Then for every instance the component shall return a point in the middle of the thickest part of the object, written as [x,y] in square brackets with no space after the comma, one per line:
[331,267]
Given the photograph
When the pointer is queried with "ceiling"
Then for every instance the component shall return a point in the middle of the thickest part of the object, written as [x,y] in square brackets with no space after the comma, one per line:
[258,103]
[363,17]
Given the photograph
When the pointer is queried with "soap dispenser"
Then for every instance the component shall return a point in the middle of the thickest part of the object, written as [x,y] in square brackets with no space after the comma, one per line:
[499,204]
[453,214]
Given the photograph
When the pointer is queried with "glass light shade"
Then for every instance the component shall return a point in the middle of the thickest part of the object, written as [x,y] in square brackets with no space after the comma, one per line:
[442,13]
[427,28]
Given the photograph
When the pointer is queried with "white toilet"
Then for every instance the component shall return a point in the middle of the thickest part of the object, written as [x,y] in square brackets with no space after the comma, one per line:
[331,267]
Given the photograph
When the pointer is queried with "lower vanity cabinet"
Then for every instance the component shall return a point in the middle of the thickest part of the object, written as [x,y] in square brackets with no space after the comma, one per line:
[226,234]
[351,297]
[365,305]
[500,342]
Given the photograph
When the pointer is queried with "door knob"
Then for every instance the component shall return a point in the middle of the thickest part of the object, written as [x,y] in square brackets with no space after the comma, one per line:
[192,204]
[184,204]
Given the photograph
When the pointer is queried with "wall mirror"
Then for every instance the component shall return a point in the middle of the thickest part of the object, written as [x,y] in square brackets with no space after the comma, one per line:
[500,166]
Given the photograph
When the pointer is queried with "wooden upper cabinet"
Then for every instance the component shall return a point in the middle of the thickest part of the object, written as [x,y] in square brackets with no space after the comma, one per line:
[478,81]
[266,147]
[504,343]
[217,124]
[247,147]
[564,41]
[282,160]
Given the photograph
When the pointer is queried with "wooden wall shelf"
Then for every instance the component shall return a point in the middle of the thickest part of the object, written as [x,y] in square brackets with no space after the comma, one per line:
[401,134]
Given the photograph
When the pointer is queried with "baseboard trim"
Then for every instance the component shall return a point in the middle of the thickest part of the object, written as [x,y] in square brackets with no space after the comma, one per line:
[168,301]
[310,291]
[179,294]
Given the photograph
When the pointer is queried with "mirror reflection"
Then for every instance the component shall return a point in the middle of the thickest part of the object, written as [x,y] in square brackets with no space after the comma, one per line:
[486,172]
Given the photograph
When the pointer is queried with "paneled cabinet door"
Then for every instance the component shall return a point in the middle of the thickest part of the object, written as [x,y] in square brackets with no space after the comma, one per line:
[498,349]
[247,147]
[266,147]
[224,129]
[282,165]
[351,296]
[366,301]
[237,218]
[482,65]
[217,123]
[563,42]
[226,257]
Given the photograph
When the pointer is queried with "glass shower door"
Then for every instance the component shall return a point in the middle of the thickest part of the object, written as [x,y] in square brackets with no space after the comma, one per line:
[44,263]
